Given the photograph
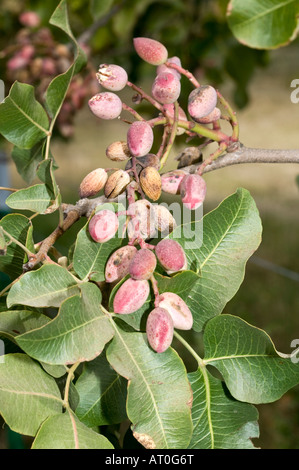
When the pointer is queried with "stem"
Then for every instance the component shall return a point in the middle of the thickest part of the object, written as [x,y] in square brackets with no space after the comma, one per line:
[87,35]
[202,366]
[198,359]
[165,135]
[10,285]
[212,157]
[185,72]
[195,128]
[242,155]
[145,96]
[3,188]
[172,135]
[61,216]
[48,242]
[232,116]
[136,176]
[14,240]
[70,377]
[223,101]
[155,289]
[47,151]
[133,112]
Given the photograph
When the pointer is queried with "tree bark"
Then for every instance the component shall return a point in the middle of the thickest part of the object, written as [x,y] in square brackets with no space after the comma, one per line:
[249,155]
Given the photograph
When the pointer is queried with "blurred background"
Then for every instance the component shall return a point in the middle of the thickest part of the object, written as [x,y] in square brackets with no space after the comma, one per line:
[258,85]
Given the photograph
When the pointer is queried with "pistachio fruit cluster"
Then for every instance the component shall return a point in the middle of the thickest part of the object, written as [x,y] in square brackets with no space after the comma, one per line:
[139,265]
[142,165]
[132,266]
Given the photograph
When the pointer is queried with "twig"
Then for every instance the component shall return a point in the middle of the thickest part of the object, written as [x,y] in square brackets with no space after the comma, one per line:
[14,240]
[155,289]
[87,35]
[85,207]
[222,147]
[172,136]
[165,135]
[133,112]
[185,72]
[248,155]
[48,242]
[145,96]
[12,190]
[68,383]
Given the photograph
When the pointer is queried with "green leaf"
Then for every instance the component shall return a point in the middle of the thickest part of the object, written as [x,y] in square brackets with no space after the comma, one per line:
[64,431]
[45,174]
[219,421]
[23,121]
[100,7]
[264,25]
[27,160]
[78,333]
[48,286]
[231,234]
[248,361]
[102,394]
[28,395]
[159,395]
[20,228]
[36,198]
[57,89]
[56,371]
[16,322]
[3,243]
[90,258]
[128,16]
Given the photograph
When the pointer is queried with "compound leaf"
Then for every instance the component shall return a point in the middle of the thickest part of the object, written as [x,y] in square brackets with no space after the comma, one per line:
[158,382]
[248,361]
[219,421]
[78,333]
[264,25]
[48,286]
[28,395]
[65,431]
[23,120]
[231,234]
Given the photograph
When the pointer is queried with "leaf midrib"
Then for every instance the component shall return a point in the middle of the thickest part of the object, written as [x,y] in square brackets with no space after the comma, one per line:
[222,238]
[49,338]
[45,131]
[38,394]
[100,398]
[237,356]
[145,381]
[260,15]
[45,295]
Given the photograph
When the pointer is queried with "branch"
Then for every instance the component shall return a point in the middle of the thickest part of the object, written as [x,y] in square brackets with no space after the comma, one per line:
[47,243]
[87,35]
[248,155]
[85,207]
